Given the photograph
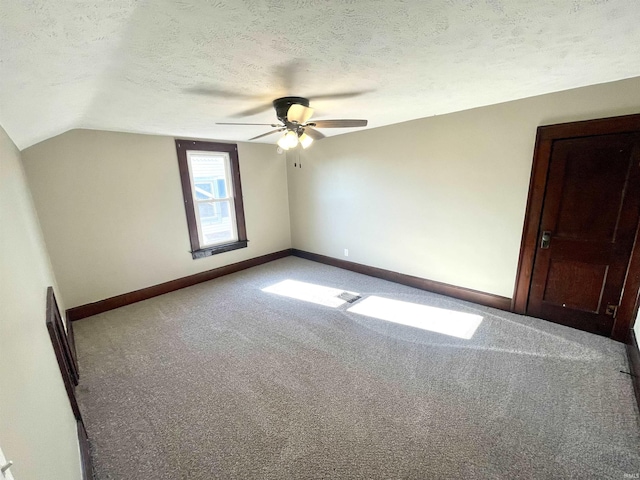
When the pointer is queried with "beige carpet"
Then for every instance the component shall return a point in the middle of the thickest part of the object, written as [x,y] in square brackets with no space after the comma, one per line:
[226,381]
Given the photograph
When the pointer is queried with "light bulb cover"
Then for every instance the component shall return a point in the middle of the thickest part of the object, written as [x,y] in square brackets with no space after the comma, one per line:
[305,140]
[291,138]
[283,143]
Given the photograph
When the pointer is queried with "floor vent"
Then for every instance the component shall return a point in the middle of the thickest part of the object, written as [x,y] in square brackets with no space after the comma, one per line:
[349,297]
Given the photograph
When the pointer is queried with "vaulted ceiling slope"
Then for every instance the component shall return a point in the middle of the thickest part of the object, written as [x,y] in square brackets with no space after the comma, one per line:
[178,67]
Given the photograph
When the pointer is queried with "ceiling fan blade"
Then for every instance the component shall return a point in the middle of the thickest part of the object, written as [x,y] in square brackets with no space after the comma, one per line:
[299,113]
[331,96]
[286,74]
[220,92]
[313,133]
[338,123]
[253,111]
[264,124]
[268,133]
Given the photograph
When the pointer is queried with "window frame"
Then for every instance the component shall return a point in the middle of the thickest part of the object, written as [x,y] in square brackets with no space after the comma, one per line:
[212,200]
[182,147]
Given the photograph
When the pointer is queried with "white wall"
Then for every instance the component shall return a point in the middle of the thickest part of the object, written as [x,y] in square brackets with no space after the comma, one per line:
[113,217]
[441,198]
[37,426]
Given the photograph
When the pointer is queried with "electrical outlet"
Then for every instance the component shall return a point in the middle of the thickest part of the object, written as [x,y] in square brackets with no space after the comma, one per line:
[346,252]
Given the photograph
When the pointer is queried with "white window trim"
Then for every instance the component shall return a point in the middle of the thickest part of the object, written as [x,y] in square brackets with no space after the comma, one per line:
[229,198]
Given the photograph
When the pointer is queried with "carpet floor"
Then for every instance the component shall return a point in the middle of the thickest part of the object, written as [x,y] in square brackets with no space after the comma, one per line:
[223,380]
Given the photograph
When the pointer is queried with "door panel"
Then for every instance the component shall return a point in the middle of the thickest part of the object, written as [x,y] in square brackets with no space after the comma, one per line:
[584,295]
[590,208]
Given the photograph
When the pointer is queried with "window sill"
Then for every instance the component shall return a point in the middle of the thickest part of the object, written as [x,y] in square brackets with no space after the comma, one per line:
[216,249]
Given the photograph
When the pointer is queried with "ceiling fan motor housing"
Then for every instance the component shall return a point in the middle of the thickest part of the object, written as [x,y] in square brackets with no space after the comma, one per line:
[282,106]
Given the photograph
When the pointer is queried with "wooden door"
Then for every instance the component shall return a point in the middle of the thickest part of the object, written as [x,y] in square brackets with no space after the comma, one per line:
[587,229]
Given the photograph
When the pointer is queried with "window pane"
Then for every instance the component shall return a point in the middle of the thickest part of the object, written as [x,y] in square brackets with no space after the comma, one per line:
[215,222]
[209,175]
[204,191]
[224,208]
[221,190]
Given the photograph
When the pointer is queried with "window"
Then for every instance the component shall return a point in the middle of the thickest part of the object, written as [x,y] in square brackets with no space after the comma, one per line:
[212,193]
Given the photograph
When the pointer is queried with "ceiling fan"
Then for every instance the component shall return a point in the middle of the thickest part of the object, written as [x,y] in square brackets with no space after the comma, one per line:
[294,114]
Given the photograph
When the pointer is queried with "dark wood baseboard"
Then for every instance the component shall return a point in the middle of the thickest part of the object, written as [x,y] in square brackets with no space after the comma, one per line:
[634,364]
[461,293]
[83,311]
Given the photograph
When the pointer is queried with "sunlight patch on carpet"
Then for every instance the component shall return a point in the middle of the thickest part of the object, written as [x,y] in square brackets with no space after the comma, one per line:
[310,292]
[440,320]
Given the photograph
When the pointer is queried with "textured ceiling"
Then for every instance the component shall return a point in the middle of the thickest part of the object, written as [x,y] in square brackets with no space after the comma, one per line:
[144,66]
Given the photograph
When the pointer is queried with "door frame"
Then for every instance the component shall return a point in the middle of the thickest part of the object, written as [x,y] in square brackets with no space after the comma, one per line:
[545,137]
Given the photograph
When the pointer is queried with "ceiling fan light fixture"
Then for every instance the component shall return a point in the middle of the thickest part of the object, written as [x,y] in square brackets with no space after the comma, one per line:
[293,114]
[283,143]
[292,138]
[299,113]
[305,140]
[289,140]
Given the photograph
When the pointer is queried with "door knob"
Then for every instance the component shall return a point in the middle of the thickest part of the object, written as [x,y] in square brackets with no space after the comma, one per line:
[546,239]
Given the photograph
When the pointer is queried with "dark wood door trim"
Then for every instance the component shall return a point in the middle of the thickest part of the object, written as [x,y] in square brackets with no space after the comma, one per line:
[630,301]
[62,350]
[85,452]
[545,137]
[633,353]
[65,354]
